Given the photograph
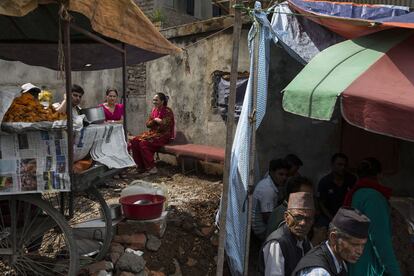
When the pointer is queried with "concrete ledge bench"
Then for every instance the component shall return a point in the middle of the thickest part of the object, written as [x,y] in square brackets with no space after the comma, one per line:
[197,152]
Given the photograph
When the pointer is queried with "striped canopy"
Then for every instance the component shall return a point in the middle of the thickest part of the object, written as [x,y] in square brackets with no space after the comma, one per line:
[373,76]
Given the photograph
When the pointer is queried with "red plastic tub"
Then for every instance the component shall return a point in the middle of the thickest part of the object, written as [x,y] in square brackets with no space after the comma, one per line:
[150,210]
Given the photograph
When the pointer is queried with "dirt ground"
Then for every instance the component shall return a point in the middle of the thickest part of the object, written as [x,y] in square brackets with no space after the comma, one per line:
[189,241]
[189,245]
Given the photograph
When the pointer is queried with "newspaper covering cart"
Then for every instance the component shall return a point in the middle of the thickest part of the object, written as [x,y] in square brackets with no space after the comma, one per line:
[34,159]
[41,200]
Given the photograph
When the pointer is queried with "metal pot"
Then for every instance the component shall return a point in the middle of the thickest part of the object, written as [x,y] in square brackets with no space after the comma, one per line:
[115,210]
[94,115]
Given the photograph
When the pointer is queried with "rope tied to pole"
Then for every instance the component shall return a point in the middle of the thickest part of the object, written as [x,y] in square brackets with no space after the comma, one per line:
[252,117]
[63,15]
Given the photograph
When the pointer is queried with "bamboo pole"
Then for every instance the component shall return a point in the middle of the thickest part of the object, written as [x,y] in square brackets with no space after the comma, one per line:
[252,154]
[229,138]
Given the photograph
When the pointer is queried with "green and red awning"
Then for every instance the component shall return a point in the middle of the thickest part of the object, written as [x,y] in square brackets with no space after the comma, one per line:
[374,78]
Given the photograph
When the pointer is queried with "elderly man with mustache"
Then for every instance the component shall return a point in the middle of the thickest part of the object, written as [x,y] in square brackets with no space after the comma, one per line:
[348,234]
[284,248]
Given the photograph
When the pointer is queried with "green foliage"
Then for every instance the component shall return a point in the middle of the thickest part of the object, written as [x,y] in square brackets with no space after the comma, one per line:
[158,16]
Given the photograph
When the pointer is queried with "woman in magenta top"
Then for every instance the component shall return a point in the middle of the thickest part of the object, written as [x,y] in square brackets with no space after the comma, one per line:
[114,112]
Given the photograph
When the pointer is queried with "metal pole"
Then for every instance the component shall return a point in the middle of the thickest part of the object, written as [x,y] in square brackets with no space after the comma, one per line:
[124,85]
[96,38]
[229,138]
[68,83]
[252,159]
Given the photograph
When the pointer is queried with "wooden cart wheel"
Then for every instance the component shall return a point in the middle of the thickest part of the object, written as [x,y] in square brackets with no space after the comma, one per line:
[89,217]
[35,239]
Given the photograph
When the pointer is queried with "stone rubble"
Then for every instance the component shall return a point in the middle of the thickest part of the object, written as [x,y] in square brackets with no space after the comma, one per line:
[186,248]
[125,256]
[136,252]
[131,263]
[153,243]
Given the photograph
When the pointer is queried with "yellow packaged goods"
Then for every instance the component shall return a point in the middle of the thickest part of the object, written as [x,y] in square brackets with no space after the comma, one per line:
[26,108]
[45,96]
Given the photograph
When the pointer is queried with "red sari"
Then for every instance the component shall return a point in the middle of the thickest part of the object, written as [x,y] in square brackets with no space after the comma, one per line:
[159,134]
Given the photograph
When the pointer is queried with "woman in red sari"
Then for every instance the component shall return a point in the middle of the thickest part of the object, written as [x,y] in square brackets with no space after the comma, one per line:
[161,132]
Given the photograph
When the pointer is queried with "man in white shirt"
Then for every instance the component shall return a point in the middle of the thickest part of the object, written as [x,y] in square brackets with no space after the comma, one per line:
[77,93]
[268,194]
[284,248]
[348,233]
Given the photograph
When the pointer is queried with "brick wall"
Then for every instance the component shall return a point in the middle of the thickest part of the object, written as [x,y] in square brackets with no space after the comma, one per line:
[137,73]
[147,6]
[136,79]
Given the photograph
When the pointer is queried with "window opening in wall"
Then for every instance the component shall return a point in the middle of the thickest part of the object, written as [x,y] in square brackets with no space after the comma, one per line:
[190,7]
[221,89]
[217,11]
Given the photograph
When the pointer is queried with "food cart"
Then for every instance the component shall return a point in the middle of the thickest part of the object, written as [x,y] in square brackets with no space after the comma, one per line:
[36,221]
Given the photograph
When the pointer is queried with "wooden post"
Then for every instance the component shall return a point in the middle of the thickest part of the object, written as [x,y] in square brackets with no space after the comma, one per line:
[229,137]
[231,3]
[252,154]
[68,85]
[124,89]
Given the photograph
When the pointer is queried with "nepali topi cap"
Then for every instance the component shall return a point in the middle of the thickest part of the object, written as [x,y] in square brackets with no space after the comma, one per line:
[352,222]
[301,200]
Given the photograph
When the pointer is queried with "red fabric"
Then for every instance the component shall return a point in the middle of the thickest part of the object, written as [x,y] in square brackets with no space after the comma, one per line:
[158,130]
[145,145]
[202,152]
[358,144]
[367,183]
[116,115]
[143,152]
[381,100]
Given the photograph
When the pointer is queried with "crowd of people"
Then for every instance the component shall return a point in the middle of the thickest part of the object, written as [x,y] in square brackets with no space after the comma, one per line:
[353,209]
[160,125]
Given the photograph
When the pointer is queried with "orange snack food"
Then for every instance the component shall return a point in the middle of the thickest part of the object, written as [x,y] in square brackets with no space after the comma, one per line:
[26,108]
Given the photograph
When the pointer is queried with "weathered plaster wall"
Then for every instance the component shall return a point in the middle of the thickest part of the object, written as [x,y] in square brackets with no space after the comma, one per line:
[136,88]
[187,80]
[280,133]
[94,83]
